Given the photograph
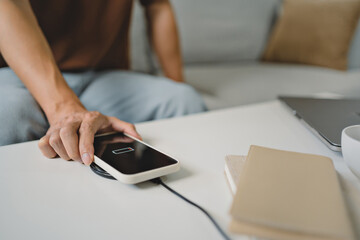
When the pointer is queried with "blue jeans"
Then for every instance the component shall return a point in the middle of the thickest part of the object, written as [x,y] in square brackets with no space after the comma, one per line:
[129,96]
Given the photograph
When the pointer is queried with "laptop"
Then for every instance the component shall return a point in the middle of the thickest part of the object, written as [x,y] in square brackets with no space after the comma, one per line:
[326,118]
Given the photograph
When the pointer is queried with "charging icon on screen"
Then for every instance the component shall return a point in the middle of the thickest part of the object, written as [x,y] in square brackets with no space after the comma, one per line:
[122,150]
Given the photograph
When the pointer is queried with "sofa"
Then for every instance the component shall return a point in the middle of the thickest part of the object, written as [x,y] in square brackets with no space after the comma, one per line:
[222,45]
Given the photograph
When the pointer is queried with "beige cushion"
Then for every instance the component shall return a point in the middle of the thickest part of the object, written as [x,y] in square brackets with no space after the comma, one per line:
[315,32]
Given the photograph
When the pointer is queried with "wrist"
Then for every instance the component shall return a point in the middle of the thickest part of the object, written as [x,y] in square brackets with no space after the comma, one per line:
[63,109]
[52,93]
[57,110]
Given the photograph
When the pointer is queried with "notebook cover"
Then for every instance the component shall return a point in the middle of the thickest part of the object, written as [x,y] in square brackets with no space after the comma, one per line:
[233,167]
[296,193]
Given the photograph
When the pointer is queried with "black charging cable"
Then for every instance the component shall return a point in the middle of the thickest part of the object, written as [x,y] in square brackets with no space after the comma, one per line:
[101,172]
[159,181]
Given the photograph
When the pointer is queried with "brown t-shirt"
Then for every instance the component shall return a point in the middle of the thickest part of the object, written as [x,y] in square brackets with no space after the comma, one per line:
[86,34]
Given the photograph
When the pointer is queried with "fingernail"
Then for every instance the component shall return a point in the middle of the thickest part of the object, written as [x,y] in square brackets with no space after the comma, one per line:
[86,159]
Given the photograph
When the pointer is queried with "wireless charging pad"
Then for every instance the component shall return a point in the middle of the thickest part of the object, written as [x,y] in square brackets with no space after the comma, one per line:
[101,172]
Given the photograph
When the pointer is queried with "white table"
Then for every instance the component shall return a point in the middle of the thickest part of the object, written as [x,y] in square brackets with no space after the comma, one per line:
[54,199]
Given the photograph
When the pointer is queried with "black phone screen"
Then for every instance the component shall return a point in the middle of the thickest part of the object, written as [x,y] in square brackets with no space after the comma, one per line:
[129,156]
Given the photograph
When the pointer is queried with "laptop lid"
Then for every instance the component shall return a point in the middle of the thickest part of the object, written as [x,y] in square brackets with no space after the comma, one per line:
[326,117]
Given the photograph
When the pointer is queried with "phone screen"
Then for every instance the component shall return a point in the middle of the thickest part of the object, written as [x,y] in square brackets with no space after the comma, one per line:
[129,156]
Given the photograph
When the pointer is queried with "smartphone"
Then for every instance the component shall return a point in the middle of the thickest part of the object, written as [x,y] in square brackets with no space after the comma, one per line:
[130,160]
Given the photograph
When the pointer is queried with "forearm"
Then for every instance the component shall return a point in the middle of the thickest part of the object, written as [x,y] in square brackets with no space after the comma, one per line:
[27,52]
[165,38]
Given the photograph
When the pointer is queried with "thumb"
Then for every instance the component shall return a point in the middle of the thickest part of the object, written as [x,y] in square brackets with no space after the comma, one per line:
[125,127]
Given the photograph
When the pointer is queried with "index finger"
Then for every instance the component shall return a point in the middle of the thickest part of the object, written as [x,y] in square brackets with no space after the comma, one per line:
[87,131]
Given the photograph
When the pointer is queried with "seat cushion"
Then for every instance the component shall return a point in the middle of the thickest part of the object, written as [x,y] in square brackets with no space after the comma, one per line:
[231,85]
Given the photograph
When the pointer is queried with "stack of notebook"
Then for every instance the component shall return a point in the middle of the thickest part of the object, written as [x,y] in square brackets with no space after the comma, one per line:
[286,195]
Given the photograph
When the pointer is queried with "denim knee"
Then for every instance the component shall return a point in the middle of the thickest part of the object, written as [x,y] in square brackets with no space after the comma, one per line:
[187,100]
[181,99]
[20,118]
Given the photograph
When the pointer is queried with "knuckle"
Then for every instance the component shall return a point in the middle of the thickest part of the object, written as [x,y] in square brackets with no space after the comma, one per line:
[43,142]
[92,115]
[86,125]
[96,114]
[69,119]
[54,141]
[65,132]
[88,115]
[85,128]
[50,131]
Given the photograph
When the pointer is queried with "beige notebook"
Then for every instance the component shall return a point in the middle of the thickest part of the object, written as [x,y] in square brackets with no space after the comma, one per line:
[288,195]
[233,167]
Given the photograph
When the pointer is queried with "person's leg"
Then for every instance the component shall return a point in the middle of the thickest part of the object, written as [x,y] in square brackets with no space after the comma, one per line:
[21,118]
[135,97]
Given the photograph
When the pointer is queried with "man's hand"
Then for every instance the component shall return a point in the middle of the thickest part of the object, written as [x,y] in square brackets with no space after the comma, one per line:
[72,136]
